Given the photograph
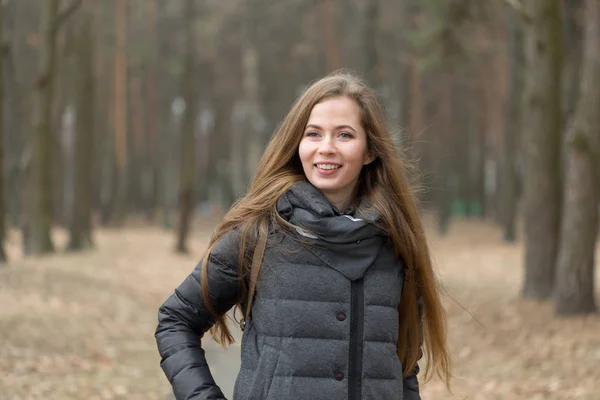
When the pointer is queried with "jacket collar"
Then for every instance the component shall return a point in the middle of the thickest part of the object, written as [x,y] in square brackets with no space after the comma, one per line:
[347,243]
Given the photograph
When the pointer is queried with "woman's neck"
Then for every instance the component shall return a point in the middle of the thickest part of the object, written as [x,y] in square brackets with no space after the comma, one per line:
[340,201]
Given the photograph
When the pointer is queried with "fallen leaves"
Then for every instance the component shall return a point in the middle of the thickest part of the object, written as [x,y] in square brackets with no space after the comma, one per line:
[76,326]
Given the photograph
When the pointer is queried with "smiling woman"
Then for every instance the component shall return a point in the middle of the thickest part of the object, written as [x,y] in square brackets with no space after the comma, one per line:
[347,298]
[334,149]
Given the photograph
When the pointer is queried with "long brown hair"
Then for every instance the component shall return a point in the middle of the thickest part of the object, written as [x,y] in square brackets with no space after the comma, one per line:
[384,182]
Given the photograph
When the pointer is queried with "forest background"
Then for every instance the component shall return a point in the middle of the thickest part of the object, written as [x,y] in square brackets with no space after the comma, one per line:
[128,127]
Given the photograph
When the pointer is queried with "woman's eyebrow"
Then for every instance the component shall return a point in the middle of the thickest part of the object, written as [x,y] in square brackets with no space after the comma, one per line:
[337,128]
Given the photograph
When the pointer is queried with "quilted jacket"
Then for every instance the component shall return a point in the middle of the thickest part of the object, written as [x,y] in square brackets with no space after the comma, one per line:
[324,322]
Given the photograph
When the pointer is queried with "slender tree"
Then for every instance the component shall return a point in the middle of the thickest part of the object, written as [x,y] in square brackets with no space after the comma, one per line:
[574,293]
[329,18]
[80,224]
[13,122]
[37,235]
[152,115]
[542,142]
[188,159]
[371,56]
[513,127]
[2,205]
[120,111]
[246,152]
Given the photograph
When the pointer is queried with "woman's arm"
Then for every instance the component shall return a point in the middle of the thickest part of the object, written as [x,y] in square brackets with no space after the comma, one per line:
[183,319]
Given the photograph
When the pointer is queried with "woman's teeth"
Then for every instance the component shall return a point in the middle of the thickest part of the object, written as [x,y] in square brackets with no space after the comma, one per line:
[328,166]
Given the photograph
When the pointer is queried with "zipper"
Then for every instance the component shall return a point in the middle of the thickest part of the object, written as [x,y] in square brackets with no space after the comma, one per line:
[356,340]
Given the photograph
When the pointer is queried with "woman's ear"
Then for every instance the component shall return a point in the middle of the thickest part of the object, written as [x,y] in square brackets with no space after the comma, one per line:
[370,157]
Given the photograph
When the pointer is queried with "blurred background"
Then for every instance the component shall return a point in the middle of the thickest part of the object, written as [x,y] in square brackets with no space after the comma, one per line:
[129,127]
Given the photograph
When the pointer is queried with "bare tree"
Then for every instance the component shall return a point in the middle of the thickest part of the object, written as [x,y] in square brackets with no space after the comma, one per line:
[542,141]
[2,206]
[152,115]
[188,159]
[513,126]
[120,111]
[329,18]
[248,145]
[371,56]
[37,233]
[574,293]
[80,229]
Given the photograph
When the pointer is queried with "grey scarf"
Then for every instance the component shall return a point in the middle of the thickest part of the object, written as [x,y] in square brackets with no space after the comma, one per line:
[346,243]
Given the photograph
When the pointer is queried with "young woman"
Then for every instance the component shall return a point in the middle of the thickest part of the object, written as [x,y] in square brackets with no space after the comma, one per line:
[345,298]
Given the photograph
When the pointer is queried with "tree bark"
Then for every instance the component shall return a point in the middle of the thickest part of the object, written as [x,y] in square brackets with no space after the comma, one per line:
[371,57]
[542,135]
[120,113]
[513,127]
[574,293]
[2,205]
[152,115]
[252,144]
[14,137]
[415,106]
[573,39]
[80,229]
[39,225]
[188,159]
[329,18]
[447,183]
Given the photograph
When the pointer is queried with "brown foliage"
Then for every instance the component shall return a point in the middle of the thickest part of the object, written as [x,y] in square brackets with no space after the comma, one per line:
[76,326]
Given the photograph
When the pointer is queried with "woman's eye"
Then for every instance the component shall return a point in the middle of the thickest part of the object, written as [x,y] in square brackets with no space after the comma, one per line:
[312,134]
[346,135]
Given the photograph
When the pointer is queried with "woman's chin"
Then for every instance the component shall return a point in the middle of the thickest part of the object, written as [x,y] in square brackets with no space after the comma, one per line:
[327,185]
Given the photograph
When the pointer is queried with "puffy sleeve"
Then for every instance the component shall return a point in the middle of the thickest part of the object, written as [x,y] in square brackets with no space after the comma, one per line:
[410,382]
[183,319]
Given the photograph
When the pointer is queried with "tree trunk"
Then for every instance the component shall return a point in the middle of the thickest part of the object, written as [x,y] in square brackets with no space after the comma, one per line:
[188,159]
[14,137]
[38,237]
[220,160]
[138,183]
[120,113]
[542,128]
[574,293]
[253,144]
[402,84]
[513,127]
[80,229]
[447,183]
[372,71]
[329,17]
[573,53]
[2,206]
[152,114]
[415,121]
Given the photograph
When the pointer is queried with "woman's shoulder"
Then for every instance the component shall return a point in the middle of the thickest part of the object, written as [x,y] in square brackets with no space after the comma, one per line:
[226,248]
[228,245]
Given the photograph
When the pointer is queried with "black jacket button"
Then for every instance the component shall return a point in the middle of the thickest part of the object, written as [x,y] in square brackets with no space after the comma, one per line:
[338,375]
[341,316]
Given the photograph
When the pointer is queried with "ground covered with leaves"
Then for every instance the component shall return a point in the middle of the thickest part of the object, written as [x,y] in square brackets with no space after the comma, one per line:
[81,326]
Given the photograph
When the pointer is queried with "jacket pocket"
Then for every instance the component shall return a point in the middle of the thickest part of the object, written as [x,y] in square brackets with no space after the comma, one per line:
[263,376]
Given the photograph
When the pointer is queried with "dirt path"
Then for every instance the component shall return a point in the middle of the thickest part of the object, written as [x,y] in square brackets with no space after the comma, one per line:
[80,326]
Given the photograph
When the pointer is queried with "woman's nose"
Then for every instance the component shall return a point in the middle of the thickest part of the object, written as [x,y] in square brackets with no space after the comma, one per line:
[327,146]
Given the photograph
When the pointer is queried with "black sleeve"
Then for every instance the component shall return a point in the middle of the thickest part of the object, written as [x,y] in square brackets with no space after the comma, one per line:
[410,382]
[183,319]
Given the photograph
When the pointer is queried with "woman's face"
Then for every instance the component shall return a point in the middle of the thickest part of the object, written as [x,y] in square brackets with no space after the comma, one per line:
[334,149]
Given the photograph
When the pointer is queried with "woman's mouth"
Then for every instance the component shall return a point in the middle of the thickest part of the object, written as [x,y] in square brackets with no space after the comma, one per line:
[328,166]
[327,169]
